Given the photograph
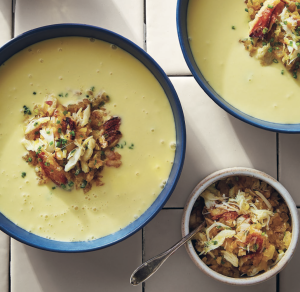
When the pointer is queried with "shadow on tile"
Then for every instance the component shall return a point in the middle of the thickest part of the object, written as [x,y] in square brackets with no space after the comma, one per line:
[216,140]
[194,169]
[4,262]
[257,149]
[179,273]
[289,164]
[104,270]
[250,138]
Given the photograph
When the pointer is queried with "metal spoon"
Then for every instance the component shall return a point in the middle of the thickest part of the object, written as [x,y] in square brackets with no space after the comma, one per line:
[148,268]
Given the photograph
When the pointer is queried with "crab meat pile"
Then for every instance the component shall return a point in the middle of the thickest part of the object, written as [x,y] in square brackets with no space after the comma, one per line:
[247,227]
[70,145]
[274,34]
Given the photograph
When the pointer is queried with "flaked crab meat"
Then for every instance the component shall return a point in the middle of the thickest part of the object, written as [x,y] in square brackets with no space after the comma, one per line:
[82,116]
[74,157]
[265,18]
[48,137]
[36,124]
[88,148]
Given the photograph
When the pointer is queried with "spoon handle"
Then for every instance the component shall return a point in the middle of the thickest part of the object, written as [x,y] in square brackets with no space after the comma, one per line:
[148,268]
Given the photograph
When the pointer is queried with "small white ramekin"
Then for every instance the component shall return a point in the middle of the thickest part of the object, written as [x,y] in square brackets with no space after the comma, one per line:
[241,172]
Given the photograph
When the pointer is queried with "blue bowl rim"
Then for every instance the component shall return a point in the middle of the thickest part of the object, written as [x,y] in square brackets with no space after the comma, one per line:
[181,154]
[181,16]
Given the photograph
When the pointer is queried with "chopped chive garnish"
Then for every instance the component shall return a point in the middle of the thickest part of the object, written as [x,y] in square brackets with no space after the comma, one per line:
[83,184]
[26,110]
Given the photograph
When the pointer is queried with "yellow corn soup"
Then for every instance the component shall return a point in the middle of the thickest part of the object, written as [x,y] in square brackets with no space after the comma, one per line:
[76,63]
[260,91]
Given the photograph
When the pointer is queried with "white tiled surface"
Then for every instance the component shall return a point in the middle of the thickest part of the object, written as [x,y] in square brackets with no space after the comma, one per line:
[179,273]
[5,20]
[162,41]
[4,262]
[5,35]
[289,164]
[290,275]
[215,140]
[125,17]
[108,270]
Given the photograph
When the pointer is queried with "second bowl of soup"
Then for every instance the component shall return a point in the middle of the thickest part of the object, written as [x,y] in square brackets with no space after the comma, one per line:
[245,55]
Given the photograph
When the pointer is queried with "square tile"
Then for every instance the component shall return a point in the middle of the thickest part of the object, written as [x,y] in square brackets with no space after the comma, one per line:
[123,17]
[4,262]
[289,164]
[289,276]
[106,270]
[5,21]
[179,273]
[162,40]
[216,140]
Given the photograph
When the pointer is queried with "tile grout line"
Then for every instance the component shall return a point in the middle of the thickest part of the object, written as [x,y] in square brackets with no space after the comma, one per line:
[9,266]
[277,154]
[143,254]
[13,3]
[180,75]
[173,208]
[145,27]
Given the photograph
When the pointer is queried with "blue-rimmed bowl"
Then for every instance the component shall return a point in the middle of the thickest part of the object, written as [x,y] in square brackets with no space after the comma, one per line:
[62,30]
[182,7]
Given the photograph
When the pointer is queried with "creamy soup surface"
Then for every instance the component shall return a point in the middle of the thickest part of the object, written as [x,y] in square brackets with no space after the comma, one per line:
[260,91]
[65,65]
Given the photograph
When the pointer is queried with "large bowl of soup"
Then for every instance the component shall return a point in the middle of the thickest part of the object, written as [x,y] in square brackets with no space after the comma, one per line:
[212,41]
[70,75]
